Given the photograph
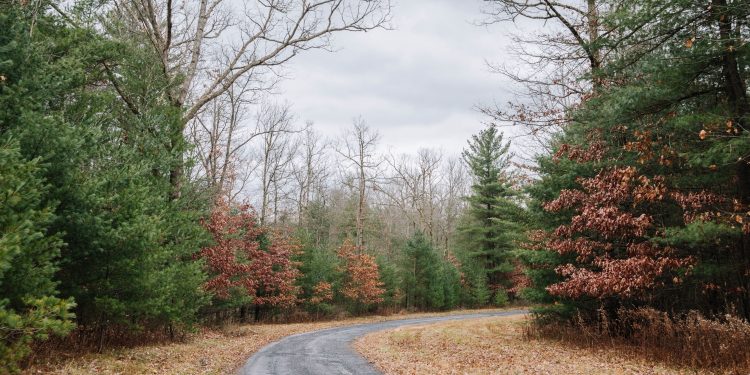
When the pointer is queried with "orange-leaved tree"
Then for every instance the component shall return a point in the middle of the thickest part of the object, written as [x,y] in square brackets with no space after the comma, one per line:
[322,293]
[361,283]
[611,236]
[248,260]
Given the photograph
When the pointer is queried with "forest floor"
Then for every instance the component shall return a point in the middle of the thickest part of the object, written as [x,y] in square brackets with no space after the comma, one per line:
[493,345]
[209,351]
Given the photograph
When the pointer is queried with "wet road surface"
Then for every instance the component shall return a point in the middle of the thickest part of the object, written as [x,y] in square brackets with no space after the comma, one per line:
[329,351]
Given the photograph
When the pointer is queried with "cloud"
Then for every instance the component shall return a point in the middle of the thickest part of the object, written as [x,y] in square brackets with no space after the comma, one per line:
[417,85]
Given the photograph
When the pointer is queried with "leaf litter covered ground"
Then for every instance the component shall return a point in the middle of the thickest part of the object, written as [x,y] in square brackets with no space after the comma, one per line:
[493,345]
[218,351]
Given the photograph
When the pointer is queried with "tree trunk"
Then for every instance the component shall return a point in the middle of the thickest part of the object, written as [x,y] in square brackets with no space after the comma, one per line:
[361,203]
[592,19]
[737,95]
[176,171]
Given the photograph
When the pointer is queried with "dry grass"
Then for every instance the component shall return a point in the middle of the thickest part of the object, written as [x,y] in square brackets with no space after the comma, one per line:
[494,345]
[719,344]
[218,351]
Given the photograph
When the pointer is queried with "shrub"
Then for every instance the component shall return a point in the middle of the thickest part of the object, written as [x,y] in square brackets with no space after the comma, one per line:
[501,298]
[690,339]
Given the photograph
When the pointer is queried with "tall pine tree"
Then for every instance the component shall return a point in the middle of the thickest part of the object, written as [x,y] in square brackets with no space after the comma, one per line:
[491,227]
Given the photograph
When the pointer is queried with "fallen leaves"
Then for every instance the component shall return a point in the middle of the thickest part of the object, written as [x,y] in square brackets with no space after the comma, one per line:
[489,346]
[209,351]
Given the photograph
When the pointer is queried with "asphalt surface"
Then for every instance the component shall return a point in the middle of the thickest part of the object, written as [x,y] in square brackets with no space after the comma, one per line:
[329,351]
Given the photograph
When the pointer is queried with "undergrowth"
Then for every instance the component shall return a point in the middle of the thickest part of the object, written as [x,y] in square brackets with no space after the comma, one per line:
[717,343]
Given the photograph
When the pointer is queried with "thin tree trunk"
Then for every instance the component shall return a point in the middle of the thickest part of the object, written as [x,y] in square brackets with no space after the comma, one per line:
[736,92]
[592,18]
[361,203]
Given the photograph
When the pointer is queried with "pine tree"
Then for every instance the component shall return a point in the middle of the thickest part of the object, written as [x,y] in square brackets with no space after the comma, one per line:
[127,253]
[29,306]
[673,112]
[492,225]
[428,281]
[318,273]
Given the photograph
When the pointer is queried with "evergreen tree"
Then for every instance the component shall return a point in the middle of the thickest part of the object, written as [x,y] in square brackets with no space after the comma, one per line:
[450,281]
[420,274]
[393,289]
[127,253]
[29,306]
[429,282]
[671,119]
[491,227]
[317,265]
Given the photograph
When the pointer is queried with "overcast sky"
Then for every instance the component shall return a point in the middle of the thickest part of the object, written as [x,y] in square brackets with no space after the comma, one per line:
[417,84]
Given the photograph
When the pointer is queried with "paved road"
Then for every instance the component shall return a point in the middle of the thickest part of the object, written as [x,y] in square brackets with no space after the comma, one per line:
[328,351]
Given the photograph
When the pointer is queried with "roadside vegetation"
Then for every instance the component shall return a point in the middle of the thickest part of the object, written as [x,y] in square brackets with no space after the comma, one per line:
[494,346]
[216,350]
[691,340]
[641,206]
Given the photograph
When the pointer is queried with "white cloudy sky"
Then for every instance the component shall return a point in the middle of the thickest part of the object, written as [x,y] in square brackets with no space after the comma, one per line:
[417,84]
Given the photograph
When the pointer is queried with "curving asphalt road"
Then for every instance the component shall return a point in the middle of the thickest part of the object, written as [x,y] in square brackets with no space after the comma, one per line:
[328,351]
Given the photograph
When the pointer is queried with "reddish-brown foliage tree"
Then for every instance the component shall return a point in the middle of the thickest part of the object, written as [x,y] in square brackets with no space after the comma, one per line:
[362,279]
[276,272]
[518,280]
[707,206]
[614,256]
[247,257]
[322,292]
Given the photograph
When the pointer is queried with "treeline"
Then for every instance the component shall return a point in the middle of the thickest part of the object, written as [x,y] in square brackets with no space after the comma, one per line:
[643,201]
[381,244]
[131,147]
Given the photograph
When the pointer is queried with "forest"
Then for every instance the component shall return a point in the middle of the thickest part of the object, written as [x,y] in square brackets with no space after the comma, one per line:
[152,182]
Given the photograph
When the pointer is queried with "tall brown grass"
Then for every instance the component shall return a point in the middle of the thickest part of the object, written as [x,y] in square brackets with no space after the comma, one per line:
[719,343]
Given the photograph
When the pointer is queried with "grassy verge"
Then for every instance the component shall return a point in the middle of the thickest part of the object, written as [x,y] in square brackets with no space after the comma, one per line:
[717,344]
[492,346]
[210,351]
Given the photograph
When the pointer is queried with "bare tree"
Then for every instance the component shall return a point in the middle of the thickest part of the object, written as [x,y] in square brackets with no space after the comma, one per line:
[552,62]
[579,20]
[205,46]
[219,137]
[276,152]
[427,190]
[357,147]
[414,188]
[310,169]
[452,203]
